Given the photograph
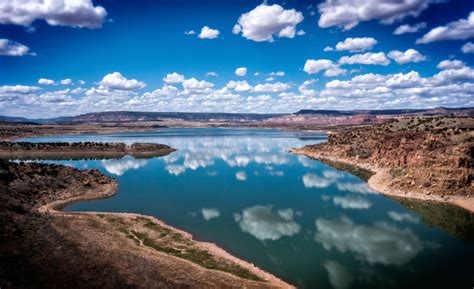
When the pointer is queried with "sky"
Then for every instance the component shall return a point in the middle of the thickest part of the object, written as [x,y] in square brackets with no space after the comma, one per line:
[68,57]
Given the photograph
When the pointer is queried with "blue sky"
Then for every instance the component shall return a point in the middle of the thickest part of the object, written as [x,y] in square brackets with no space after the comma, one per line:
[117,53]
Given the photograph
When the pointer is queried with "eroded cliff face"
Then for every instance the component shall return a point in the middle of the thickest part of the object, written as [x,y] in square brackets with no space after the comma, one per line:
[428,155]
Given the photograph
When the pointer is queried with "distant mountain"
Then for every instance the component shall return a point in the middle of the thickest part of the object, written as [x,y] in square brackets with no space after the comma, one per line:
[134,116]
[13,119]
[137,116]
[464,111]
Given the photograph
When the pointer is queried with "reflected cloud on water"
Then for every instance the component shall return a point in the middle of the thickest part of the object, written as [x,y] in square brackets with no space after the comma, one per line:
[379,243]
[264,223]
[119,167]
[210,213]
[339,276]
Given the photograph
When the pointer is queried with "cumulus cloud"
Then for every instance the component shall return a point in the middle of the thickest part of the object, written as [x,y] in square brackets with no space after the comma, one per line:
[330,68]
[241,71]
[12,48]
[239,86]
[358,44]
[208,33]
[407,28]
[116,80]
[468,48]
[173,78]
[46,81]
[457,30]
[368,58]
[198,86]
[18,89]
[379,243]
[272,87]
[450,64]
[410,55]
[78,13]
[210,213]
[264,223]
[66,81]
[241,176]
[119,167]
[266,21]
[190,32]
[339,276]
[349,13]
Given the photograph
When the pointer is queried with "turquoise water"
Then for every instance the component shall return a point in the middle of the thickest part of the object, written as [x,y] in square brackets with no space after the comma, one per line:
[306,222]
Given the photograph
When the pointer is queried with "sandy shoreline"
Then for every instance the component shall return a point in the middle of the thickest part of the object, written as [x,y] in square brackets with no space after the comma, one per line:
[109,190]
[381,180]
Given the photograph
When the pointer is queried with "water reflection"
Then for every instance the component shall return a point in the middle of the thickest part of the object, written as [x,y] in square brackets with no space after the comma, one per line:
[120,166]
[339,276]
[219,186]
[378,243]
[264,223]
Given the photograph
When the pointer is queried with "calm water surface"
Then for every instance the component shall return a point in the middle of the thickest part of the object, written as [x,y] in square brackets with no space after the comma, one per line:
[306,222]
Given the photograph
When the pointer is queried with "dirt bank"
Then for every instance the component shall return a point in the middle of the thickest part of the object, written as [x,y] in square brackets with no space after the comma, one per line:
[45,248]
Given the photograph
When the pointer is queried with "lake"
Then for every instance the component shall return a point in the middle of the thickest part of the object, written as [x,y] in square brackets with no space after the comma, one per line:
[304,221]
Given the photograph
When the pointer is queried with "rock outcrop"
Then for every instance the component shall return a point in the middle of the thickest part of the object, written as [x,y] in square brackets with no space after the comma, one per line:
[428,156]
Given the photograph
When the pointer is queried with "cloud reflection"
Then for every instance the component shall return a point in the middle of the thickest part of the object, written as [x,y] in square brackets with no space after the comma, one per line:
[379,243]
[339,276]
[119,167]
[266,224]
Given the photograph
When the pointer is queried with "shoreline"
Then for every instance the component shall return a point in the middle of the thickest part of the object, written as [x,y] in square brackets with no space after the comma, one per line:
[381,179]
[55,207]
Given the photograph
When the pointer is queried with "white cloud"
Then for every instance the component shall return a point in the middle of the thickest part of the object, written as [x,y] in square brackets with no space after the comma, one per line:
[239,86]
[458,30]
[407,28]
[300,32]
[272,87]
[66,81]
[277,73]
[208,33]
[468,48]
[265,224]
[210,213]
[312,66]
[78,13]
[450,64]
[375,244]
[212,73]
[46,81]
[18,89]
[173,78]
[12,48]
[368,58]
[190,32]
[194,85]
[358,44]
[119,167]
[304,90]
[339,276]
[328,48]
[116,80]
[349,13]
[265,21]
[410,55]
[241,71]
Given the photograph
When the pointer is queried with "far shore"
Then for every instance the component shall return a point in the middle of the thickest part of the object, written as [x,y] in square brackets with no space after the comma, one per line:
[381,179]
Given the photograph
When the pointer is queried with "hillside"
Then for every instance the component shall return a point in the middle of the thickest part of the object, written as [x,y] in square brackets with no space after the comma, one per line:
[431,158]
